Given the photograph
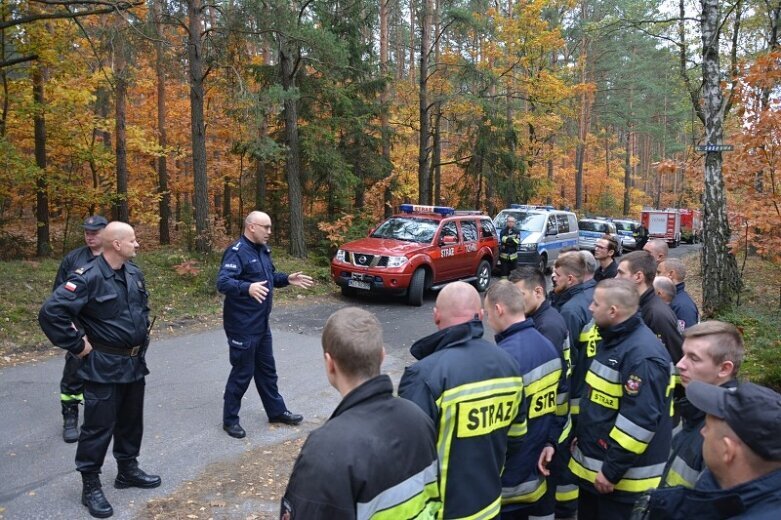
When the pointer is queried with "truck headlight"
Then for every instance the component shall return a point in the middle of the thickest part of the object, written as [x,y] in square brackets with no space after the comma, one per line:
[396,261]
[340,255]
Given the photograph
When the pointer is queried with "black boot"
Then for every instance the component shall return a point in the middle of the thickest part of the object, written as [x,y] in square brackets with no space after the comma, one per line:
[93,496]
[70,421]
[130,475]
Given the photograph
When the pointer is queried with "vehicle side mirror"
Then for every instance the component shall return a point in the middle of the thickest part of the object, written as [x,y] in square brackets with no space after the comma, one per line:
[371,231]
[447,240]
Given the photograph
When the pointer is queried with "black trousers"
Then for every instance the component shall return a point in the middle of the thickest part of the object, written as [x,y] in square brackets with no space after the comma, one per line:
[593,506]
[111,410]
[508,265]
[71,384]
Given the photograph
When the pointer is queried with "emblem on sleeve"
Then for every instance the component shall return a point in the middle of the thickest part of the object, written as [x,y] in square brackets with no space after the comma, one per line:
[70,286]
[632,385]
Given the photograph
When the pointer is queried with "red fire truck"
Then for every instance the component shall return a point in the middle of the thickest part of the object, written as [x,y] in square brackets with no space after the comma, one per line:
[664,224]
[691,225]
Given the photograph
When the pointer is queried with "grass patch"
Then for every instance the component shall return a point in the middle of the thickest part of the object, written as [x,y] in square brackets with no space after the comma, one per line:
[758,316]
[181,286]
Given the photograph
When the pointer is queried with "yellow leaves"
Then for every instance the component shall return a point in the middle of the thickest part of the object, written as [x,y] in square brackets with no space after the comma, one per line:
[336,231]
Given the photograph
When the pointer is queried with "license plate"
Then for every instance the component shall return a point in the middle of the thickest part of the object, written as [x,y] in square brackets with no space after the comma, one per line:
[359,285]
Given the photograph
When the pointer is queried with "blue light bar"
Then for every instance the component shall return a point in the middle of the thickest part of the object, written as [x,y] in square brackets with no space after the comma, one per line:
[416,208]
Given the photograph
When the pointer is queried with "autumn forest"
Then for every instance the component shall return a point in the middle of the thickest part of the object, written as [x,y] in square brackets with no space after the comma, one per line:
[182,116]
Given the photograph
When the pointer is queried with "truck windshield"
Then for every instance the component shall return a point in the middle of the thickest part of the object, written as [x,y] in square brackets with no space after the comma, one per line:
[407,229]
[525,221]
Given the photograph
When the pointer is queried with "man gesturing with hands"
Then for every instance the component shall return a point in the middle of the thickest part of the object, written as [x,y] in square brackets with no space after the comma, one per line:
[247,278]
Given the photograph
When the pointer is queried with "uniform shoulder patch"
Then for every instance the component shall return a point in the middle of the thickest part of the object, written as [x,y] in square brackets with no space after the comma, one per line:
[236,246]
[70,286]
[632,385]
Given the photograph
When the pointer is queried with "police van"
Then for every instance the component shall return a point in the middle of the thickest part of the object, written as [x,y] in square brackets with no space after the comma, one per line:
[544,232]
[592,229]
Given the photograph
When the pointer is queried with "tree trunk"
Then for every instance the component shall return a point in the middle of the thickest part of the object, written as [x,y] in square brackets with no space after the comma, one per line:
[43,247]
[720,281]
[198,130]
[424,166]
[121,209]
[287,63]
[628,173]
[384,114]
[162,167]
[260,164]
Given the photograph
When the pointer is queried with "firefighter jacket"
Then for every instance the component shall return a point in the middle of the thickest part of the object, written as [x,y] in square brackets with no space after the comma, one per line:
[624,427]
[509,242]
[758,499]
[661,319]
[79,257]
[472,390]
[112,310]
[375,457]
[573,304]
[586,349]
[545,399]
[685,463]
[244,263]
[684,307]
[550,323]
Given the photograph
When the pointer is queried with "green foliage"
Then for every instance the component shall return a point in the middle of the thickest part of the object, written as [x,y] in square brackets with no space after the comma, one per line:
[761,333]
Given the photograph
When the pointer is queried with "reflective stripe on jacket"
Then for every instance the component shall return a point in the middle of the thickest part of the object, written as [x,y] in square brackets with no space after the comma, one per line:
[624,426]
[472,391]
[375,458]
[545,388]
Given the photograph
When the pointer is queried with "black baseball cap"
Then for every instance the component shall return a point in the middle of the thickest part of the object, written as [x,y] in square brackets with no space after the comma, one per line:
[95,223]
[752,411]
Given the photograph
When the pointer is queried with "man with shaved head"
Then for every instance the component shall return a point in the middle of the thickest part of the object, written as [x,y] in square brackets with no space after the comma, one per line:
[472,391]
[682,304]
[247,278]
[109,301]
[624,426]
[665,289]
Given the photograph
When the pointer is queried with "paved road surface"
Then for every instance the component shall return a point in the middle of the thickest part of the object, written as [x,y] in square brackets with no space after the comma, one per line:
[183,431]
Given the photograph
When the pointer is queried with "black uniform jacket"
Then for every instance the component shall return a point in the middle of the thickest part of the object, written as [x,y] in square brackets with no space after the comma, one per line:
[608,272]
[111,308]
[79,257]
[662,321]
[376,454]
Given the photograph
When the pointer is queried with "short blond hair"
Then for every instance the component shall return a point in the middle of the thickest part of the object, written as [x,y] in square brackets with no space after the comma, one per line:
[621,293]
[507,294]
[353,339]
[725,343]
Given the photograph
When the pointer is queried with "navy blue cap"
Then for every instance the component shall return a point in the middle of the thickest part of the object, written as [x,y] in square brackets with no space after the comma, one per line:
[95,223]
[752,411]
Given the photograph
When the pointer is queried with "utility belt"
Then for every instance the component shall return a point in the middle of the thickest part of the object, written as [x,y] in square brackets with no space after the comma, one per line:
[118,351]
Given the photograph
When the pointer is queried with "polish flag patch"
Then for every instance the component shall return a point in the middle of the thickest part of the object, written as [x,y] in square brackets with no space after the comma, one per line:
[70,286]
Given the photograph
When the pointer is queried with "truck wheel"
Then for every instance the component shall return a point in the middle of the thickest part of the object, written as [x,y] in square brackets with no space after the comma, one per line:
[543,265]
[483,276]
[416,286]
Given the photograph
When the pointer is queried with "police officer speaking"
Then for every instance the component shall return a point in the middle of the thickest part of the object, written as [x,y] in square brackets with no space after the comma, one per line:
[247,278]
[108,299]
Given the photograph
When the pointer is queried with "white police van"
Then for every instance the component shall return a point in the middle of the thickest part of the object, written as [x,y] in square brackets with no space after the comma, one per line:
[544,232]
[592,229]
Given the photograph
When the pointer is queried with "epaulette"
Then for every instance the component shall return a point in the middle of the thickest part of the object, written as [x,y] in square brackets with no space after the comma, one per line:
[83,269]
[236,246]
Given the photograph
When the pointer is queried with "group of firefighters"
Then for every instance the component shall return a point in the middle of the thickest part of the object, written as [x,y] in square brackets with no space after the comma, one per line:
[591,404]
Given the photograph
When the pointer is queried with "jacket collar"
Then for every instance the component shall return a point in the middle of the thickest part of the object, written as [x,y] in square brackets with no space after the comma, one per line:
[613,334]
[445,338]
[680,287]
[513,329]
[570,293]
[544,306]
[380,385]
[260,248]
[647,296]
[693,416]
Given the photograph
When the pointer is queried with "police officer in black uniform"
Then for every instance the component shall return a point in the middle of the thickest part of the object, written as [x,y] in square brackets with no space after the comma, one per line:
[109,301]
[71,385]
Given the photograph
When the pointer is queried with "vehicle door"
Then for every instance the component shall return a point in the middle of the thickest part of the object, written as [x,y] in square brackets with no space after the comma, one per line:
[450,252]
[563,233]
[548,242]
[470,236]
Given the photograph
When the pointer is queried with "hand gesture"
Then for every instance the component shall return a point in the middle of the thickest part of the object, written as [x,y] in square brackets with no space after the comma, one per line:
[603,485]
[301,280]
[258,290]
